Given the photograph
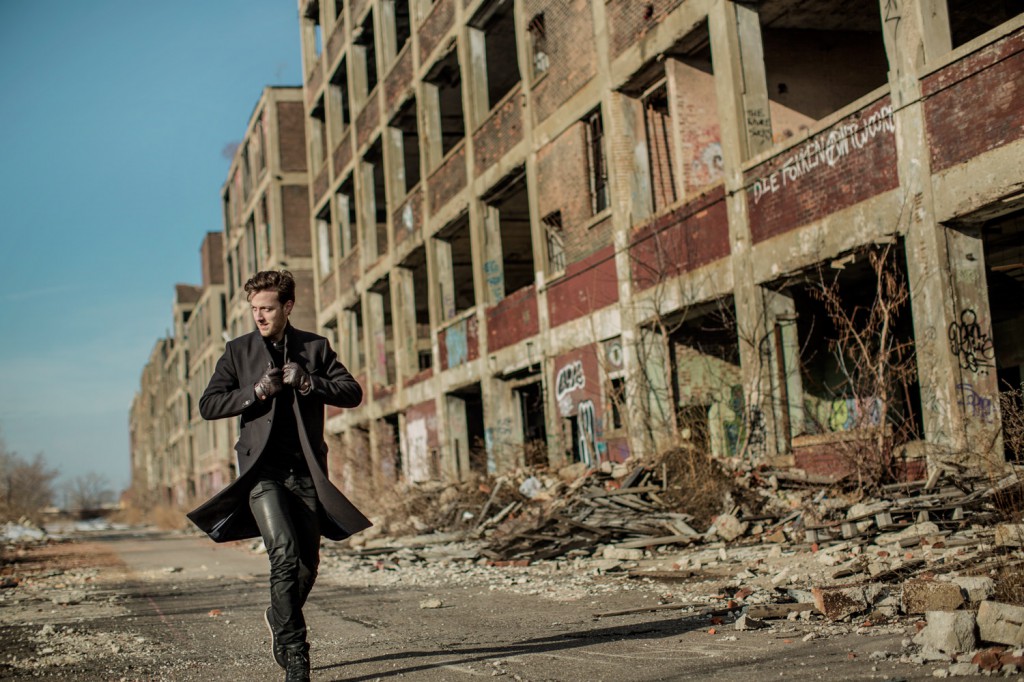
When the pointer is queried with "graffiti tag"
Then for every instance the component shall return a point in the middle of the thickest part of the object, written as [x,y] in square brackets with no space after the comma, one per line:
[976,405]
[587,438]
[972,347]
[570,378]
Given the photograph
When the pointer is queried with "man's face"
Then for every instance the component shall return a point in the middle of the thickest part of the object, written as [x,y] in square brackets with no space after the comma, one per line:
[269,315]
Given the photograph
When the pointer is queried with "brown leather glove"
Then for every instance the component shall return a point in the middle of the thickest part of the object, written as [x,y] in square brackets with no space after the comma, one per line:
[269,384]
[297,378]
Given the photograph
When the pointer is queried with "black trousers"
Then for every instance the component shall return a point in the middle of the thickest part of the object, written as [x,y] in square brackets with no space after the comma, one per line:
[285,507]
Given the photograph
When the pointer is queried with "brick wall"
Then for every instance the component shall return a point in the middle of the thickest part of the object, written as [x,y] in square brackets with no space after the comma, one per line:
[328,292]
[448,180]
[320,183]
[499,133]
[563,184]
[682,240]
[342,155]
[295,209]
[409,216]
[435,27]
[368,120]
[513,319]
[291,137]
[314,80]
[569,45]
[459,343]
[303,315]
[700,135]
[977,103]
[588,285]
[398,81]
[851,161]
[577,378]
[629,20]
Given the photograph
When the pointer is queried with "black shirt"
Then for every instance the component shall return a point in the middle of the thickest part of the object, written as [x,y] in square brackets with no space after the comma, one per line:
[284,449]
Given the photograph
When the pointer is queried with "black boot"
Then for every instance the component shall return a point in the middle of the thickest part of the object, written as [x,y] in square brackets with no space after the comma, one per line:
[297,669]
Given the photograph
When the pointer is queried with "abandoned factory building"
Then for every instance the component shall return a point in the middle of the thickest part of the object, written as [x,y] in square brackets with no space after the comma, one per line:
[787,232]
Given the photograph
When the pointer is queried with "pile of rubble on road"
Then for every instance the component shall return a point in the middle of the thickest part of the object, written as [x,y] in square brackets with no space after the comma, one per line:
[782,546]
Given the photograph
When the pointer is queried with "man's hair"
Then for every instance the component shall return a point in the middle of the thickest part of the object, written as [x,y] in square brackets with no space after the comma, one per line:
[272,280]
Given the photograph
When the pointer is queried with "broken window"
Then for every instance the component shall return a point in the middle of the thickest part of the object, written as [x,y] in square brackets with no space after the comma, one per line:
[337,92]
[492,36]
[250,249]
[406,140]
[442,92]
[596,162]
[345,214]
[389,447]
[366,52]
[555,242]
[243,164]
[317,137]
[375,203]
[382,336]
[454,254]
[538,45]
[658,127]
[260,144]
[339,8]
[352,342]
[324,241]
[509,239]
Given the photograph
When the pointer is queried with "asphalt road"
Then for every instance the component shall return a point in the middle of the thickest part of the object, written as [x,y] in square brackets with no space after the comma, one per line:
[195,609]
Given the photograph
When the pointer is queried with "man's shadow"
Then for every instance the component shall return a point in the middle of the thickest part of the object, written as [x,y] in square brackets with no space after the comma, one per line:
[568,640]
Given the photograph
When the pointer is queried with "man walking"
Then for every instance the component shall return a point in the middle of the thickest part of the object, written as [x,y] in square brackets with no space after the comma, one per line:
[277,380]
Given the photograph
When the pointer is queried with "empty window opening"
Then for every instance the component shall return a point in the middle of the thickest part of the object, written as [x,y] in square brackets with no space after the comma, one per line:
[339,8]
[345,212]
[407,136]
[817,63]
[494,26]
[532,416]
[538,45]
[706,383]
[363,39]
[251,246]
[466,431]
[325,241]
[509,213]
[312,35]
[617,402]
[266,242]
[417,310]
[660,152]
[340,114]
[377,229]
[382,334]
[444,85]
[857,372]
[260,144]
[555,241]
[389,448]
[596,162]
[352,342]
[330,332]
[402,24]
[969,19]
[317,137]
[454,253]
[1004,273]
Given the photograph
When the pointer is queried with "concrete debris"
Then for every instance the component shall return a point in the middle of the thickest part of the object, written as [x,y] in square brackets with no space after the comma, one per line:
[921,596]
[1001,623]
[745,622]
[977,588]
[728,527]
[948,632]
[432,603]
[836,603]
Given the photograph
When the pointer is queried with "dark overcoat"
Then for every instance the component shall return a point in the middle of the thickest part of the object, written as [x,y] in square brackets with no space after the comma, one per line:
[231,393]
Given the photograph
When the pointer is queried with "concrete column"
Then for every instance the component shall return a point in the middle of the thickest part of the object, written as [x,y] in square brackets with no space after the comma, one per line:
[493,259]
[403,317]
[741,90]
[945,266]
[378,338]
[456,455]
[368,216]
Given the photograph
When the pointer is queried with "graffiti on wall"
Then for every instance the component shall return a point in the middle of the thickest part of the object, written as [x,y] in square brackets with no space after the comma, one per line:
[976,405]
[495,280]
[587,433]
[570,378]
[825,150]
[972,347]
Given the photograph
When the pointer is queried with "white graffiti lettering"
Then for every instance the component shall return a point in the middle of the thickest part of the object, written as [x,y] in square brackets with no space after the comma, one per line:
[570,378]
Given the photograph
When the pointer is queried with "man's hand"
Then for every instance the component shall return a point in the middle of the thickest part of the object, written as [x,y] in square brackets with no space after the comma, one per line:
[297,378]
[269,384]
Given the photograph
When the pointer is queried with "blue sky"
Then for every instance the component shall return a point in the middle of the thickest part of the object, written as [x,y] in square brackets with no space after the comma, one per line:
[113,120]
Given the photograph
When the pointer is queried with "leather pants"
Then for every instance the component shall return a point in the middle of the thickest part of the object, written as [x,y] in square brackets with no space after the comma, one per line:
[285,508]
